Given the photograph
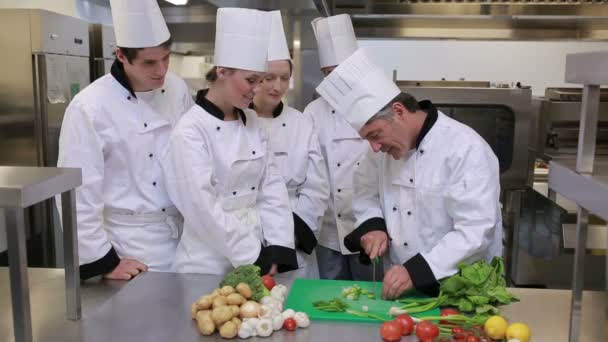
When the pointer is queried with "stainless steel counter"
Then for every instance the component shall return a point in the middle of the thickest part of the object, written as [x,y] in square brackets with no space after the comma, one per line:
[155,307]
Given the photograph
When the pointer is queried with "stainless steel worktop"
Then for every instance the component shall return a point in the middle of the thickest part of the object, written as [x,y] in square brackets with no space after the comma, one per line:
[155,307]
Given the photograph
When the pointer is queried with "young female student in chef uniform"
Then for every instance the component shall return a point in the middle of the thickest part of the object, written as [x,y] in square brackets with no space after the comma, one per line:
[115,130]
[296,150]
[219,171]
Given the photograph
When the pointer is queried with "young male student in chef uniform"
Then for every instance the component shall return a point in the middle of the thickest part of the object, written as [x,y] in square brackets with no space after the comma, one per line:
[219,169]
[431,198]
[342,148]
[114,130]
[296,150]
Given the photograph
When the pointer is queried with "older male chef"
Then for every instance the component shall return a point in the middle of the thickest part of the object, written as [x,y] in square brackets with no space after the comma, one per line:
[342,148]
[114,130]
[431,199]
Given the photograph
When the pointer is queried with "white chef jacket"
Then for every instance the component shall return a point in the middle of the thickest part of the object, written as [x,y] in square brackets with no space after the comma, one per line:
[297,152]
[343,149]
[116,136]
[440,204]
[223,179]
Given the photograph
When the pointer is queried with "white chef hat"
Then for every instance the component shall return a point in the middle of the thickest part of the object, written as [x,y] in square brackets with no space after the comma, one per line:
[138,24]
[357,89]
[277,47]
[336,39]
[241,39]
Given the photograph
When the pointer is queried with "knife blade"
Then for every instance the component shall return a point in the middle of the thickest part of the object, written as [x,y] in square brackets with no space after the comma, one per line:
[374,262]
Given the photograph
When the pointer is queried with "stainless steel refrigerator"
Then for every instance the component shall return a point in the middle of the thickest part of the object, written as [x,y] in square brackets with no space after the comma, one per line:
[103,44]
[44,64]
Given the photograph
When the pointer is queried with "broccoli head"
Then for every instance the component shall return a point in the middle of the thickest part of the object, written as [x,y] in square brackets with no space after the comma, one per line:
[250,275]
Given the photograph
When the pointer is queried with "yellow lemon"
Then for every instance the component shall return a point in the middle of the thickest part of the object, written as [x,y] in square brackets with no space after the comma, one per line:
[519,331]
[496,327]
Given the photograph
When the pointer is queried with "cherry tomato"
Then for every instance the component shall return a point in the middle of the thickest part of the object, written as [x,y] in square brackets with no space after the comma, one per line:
[407,324]
[448,312]
[268,282]
[472,338]
[391,331]
[290,324]
[426,330]
[458,332]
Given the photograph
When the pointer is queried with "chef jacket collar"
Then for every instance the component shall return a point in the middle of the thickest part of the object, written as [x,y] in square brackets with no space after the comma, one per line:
[275,113]
[118,71]
[431,117]
[214,110]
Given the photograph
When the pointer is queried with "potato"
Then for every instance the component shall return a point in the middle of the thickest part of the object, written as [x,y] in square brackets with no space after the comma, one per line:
[221,314]
[236,321]
[219,301]
[215,293]
[202,314]
[228,330]
[193,310]
[235,310]
[206,326]
[244,290]
[235,299]
[204,302]
[227,290]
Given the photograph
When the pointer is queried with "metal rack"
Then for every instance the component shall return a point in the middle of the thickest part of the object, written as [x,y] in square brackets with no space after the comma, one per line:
[21,187]
[588,191]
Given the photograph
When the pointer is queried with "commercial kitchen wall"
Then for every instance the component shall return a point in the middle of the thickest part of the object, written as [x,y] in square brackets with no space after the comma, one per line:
[540,64]
[90,10]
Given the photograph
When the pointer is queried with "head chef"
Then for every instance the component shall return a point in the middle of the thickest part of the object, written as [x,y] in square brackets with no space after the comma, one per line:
[427,193]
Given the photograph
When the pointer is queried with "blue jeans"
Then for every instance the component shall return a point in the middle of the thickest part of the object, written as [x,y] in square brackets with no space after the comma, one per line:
[337,266]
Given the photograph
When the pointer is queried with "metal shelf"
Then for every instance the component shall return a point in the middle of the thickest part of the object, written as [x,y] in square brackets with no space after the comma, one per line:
[589,192]
[21,187]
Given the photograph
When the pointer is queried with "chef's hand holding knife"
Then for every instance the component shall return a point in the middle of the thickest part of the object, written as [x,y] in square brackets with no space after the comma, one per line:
[397,280]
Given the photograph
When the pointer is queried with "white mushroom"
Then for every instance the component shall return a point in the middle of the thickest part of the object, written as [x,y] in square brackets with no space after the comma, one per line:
[245,331]
[277,322]
[264,327]
[267,300]
[289,313]
[266,311]
[302,319]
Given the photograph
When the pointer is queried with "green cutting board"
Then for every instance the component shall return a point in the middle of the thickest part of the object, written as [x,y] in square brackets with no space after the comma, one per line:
[306,291]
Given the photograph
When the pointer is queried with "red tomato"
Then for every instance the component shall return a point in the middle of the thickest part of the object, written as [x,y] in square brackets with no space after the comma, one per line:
[458,332]
[426,330]
[472,338]
[448,312]
[391,331]
[290,324]
[407,324]
[268,282]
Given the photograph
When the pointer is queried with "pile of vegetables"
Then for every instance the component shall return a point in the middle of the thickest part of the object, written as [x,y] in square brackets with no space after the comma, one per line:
[253,306]
[223,310]
[476,291]
[451,328]
[476,288]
